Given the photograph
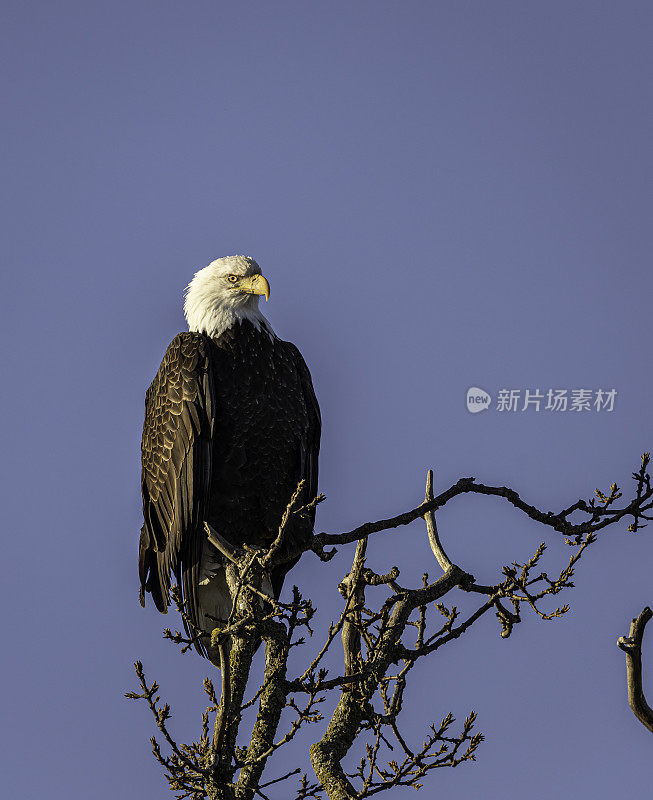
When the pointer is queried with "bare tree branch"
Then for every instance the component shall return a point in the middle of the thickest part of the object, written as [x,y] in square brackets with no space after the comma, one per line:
[432,528]
[632,647]
[600,515]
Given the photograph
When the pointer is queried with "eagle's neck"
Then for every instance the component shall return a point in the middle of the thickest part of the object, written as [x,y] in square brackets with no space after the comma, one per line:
[215,320]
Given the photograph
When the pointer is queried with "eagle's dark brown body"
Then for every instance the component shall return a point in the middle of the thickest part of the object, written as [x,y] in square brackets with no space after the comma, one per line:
[261,440]
[231,427]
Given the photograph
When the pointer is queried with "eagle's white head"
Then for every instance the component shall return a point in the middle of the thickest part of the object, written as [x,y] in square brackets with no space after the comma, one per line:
[224,293]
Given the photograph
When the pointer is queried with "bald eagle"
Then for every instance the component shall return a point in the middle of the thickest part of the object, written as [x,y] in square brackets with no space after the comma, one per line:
[231,427]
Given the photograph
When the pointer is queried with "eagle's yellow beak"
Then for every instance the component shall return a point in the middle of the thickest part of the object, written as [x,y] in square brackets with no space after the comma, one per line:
[256,284]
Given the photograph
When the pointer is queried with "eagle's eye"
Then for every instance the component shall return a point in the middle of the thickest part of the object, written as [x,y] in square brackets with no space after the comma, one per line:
[232,278]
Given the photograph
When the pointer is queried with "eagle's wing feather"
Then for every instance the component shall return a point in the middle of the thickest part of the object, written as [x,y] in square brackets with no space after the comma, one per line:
[310,451]
[176,461]
[312,445]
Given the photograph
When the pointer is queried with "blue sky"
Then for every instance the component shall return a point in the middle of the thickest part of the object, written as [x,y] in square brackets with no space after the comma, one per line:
[442,195]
